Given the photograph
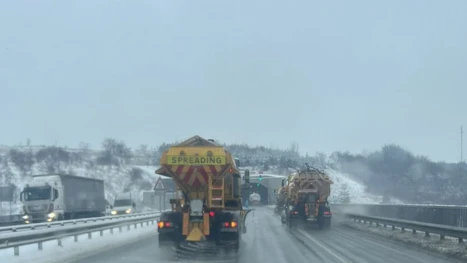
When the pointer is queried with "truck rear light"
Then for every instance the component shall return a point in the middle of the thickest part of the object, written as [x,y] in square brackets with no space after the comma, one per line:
[212,214]
[327,212]
[294,212]
[232,224]
[162,224]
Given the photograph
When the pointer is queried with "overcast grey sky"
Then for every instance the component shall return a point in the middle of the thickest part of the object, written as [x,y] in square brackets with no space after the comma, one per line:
[330,75]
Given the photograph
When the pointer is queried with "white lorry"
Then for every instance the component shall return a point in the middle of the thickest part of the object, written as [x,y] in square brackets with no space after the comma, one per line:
[53,197]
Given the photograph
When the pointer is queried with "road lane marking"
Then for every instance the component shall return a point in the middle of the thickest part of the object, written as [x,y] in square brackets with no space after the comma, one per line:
[322,246]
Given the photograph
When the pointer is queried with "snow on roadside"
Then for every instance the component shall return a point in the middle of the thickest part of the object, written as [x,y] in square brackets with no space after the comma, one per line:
[71,251]
[448,247]
[356,190]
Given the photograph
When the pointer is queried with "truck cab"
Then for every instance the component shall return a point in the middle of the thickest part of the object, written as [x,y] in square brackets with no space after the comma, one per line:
[123,204]
[42,200]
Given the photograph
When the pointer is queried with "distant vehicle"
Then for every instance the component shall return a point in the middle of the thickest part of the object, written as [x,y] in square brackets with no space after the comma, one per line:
[52,197]
[123,204]
[255,199]
[306,200]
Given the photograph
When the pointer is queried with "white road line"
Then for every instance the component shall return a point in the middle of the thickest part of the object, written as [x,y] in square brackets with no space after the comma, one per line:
[322,246]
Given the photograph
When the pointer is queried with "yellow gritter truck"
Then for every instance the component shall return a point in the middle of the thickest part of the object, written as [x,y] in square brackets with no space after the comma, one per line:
[306,198]
[209,208]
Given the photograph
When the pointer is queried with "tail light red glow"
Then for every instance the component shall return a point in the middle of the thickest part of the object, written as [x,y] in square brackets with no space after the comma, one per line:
[232,224]
[327,212]
[212,214]
[162,224]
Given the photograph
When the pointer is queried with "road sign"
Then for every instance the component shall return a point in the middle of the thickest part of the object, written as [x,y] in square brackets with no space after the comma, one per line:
[6,193]
[159,187]
[247,176]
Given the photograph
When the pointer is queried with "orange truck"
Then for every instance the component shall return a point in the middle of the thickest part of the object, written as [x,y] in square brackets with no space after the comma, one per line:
[306,198]
[209,208]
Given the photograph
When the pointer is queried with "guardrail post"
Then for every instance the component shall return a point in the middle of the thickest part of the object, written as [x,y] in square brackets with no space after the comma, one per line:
[76,238]
[128,226]
[16,250]
[102,232]
[152,221]
[90,235]
[427,234]
[142,224]
[136,225]
[147,223]
[39,245]
[393,228]
[59,242]
[403,230]
[441,237]
[112,231]
[461,240]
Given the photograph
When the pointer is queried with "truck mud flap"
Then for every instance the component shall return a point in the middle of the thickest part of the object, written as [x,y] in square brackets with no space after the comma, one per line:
[243,214]
[203,251]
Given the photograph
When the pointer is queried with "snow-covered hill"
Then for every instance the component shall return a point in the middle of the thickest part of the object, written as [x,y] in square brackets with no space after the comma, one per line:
[123,169]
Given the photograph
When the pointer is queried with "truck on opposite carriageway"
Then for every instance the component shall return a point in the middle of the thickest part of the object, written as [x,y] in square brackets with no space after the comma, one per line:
[52,197]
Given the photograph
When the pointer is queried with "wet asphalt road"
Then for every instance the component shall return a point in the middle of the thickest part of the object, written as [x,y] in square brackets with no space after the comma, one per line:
[269,241]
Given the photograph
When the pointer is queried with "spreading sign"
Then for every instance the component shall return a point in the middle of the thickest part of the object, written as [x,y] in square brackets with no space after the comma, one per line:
[195,160]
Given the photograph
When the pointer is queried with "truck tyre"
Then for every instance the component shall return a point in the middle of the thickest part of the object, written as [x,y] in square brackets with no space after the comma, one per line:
[289,222]
[324,223]
[321,223]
